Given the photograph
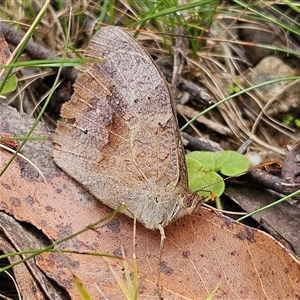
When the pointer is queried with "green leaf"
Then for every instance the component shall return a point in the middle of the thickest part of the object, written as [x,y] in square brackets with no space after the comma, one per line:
[205,182]
[231,163]
[10,85]
[207,159]
[230,89]
[297,122]
[203,166]
[287,119]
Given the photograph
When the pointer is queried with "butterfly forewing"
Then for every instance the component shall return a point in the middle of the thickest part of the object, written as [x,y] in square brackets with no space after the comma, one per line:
[120,137]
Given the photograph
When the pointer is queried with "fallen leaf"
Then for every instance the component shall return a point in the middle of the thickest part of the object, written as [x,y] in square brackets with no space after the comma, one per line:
[202,252]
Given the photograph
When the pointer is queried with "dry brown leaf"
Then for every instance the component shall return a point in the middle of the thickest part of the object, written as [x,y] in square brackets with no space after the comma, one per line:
[5,52]
[202,252]
[32,283]
[27,284]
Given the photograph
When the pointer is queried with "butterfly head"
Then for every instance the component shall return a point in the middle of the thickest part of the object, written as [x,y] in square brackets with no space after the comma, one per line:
[192,201]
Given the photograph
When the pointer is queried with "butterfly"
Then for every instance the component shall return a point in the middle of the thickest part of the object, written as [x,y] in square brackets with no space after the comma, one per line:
[120,137]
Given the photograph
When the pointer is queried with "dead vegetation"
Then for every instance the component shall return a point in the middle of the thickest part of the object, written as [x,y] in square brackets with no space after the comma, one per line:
[211,56]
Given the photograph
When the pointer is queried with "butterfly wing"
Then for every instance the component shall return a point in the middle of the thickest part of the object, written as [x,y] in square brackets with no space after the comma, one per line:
[120,137]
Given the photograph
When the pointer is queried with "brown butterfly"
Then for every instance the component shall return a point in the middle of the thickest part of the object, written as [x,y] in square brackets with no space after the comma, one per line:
[120,137]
